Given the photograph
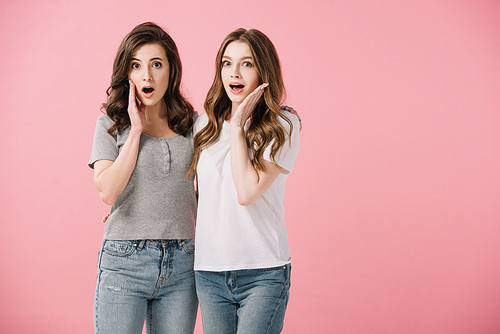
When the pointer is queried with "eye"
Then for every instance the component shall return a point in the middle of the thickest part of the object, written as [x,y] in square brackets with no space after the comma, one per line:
[247,64]
[226,63]
[135,66]
[156,64]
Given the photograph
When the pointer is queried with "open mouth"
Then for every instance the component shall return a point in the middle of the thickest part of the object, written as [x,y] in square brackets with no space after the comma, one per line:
[236,88]
[148,92]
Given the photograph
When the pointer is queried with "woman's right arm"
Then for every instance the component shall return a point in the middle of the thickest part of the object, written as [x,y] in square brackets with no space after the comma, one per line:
[111,177]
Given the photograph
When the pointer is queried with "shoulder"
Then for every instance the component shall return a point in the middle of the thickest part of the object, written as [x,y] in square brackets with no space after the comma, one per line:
[294,120]
[203,118]
[200,122]
[104,121]
[102,126]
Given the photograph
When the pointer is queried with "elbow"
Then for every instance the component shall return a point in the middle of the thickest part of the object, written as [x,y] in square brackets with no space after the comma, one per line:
[245,200]
[107,194]
[109,199]
[244,203]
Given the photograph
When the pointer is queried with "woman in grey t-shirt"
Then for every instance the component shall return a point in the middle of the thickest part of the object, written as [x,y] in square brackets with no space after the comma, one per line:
[141,154]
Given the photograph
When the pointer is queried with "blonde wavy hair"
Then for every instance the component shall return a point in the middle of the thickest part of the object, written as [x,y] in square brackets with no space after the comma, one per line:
[265,128]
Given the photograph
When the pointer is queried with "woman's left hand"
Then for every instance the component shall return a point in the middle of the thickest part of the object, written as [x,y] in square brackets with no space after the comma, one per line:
[245,109]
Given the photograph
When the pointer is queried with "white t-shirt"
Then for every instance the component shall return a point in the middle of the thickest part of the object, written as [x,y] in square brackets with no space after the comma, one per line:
[230,236]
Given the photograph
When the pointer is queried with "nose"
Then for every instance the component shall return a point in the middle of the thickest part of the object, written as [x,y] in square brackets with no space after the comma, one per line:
[235,72]
[147,75]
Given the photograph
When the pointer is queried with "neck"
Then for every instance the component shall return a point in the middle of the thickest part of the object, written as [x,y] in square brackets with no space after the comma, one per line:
[157,121]
[156,112]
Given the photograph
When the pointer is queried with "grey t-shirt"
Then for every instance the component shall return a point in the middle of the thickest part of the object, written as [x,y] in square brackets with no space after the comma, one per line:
[158,201]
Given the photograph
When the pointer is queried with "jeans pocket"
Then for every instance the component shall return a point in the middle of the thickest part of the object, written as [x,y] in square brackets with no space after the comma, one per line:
[120,248]
[188,246]
[280,275]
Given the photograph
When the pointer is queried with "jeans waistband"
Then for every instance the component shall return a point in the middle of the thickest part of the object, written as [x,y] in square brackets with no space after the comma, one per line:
[158,242]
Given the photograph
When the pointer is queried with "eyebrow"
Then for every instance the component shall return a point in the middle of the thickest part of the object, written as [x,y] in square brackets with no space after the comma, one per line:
[155,58]
[246,57]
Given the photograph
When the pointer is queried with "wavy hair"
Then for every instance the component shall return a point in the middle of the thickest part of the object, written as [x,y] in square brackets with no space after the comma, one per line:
[180,111]
[265,128]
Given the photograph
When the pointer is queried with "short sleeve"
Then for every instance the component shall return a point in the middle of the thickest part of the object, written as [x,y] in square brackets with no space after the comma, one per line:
[286,157]
[199,123]
[105,146]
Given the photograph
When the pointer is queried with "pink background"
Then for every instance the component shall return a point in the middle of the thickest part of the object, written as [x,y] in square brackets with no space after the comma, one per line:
[393,208]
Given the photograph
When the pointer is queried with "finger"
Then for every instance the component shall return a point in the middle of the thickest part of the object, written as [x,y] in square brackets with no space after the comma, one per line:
[293,111]
[255,96]
[290,109]
[131,94]
[143,109]
[257,93]
[249,104]
[260,90]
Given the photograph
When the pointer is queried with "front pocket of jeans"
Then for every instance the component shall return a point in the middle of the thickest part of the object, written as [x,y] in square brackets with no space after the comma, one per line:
[121,248]
[188,246]
[275,278]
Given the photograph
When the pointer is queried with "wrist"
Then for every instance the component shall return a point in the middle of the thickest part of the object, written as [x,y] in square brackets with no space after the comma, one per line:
[237,123]
[237,128]
[135,131]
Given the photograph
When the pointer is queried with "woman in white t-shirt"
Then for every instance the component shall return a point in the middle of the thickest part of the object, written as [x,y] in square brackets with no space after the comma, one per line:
[244,150]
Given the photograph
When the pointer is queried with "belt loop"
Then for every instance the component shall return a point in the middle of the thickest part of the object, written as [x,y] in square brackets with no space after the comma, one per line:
[141,244]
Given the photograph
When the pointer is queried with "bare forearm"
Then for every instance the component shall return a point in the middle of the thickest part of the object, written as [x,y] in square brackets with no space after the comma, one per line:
[250,184]
[112,177]
[245,176]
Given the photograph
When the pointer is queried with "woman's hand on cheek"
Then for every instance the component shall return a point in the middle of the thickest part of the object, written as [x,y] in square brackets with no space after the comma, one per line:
[245,109]
[137,117]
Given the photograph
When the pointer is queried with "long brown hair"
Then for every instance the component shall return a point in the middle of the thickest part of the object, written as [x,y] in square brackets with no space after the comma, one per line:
[180,111]
[265,127]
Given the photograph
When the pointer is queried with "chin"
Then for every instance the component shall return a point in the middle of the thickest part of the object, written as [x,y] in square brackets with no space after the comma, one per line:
[237,99]
[149,103]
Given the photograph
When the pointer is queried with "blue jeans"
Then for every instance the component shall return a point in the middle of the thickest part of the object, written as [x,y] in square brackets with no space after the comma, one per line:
[243,301]
[145,279]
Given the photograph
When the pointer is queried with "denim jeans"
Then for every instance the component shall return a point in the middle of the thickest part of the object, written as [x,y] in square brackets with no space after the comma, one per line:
[249,301]
[150,280]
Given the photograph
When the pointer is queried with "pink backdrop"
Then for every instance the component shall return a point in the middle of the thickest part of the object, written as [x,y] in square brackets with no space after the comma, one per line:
[393,208]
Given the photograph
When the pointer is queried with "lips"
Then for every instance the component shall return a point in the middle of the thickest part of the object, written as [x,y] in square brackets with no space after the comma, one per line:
[148,91]
[236,88]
